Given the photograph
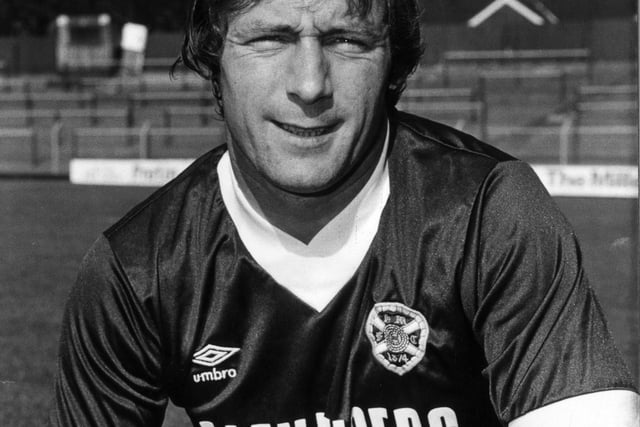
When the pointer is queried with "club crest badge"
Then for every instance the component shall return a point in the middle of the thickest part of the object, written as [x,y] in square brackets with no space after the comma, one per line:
[398,336]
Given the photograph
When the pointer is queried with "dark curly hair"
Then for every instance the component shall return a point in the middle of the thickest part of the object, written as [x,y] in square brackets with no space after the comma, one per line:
[208,23]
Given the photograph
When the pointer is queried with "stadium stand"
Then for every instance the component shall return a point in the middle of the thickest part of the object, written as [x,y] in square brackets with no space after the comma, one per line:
[190,97]
[36,116]
[536,77]
[503,105]
[535,144]
[8,84]
[460,106]
[608,91]
[17,137]
[143,142]
[31,99]
[509,58]
[606,122]
[202,115]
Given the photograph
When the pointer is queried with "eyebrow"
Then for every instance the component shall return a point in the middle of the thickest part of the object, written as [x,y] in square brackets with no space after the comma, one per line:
[364,29]
[263,26]
[368,32]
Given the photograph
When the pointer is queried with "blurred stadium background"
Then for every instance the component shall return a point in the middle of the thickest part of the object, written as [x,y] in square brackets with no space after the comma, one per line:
[554,84]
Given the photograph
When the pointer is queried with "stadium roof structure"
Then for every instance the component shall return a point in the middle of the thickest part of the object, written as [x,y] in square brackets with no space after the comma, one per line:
[531,10]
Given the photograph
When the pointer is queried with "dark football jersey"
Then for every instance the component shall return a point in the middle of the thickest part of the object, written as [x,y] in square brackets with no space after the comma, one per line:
[470,308]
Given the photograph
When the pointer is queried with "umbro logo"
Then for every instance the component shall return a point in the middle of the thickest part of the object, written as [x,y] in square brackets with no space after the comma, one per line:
[211,356]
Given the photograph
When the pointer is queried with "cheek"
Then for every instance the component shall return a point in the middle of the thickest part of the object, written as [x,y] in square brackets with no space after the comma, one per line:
[242,80]
[363,82]
[365,100]
[241,98]
[234,88]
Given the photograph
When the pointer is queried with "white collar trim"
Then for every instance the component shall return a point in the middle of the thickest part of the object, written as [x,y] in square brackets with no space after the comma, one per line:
[316,272]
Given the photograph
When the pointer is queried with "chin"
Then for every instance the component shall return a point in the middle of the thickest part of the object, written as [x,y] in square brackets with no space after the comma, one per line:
[304,184]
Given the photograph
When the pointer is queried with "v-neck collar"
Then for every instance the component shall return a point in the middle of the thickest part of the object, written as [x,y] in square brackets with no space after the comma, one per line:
[313,272]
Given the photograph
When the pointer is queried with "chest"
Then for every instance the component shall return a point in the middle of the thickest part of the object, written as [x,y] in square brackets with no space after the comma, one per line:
[394,338]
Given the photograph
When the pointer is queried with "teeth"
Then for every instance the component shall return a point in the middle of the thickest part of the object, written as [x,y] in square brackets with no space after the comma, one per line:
[304,132]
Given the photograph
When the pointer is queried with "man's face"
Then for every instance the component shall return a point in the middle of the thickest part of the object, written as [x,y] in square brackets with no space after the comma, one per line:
[303,88]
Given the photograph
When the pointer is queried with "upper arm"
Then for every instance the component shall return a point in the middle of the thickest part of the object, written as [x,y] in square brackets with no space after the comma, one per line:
[108,363]
[543,332]
[619,408]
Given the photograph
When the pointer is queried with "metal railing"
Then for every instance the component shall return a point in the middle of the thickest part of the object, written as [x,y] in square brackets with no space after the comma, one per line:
[29,134]
[502,57]
[140,136]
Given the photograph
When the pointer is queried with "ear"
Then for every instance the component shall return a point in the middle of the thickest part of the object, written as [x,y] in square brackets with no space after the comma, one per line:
[217,95]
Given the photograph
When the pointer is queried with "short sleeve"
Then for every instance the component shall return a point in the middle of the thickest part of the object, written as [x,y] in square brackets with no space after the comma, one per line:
[109,367]
[539,322]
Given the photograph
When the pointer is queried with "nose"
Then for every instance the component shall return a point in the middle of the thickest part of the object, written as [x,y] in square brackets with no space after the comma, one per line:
[308,78]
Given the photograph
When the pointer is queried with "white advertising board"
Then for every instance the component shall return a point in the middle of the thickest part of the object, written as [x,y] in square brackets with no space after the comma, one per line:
[611,181]
[131,172]
[589,180]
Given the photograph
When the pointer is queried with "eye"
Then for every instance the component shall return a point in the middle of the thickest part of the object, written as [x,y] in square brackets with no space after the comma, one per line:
[348,44]
[270,41]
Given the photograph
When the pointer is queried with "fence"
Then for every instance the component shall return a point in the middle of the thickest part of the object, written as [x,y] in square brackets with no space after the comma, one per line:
[563,143]
[139,140]
[570,142]
[145,83]
[591,92]
[34,116]
[604,112]
[11,134]
[171,113]
[203,113]
[31,99]
[561,77]
[581,57]
[467,104]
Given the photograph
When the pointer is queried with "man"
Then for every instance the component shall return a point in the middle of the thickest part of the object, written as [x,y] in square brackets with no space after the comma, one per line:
[337,261]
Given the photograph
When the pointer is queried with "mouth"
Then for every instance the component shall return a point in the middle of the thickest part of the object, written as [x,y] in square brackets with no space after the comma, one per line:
[306,132]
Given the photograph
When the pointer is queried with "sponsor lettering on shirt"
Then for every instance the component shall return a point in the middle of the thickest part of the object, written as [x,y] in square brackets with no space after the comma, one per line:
[373,417]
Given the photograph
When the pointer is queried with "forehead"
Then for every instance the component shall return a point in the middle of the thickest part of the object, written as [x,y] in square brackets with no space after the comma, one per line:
[370,13]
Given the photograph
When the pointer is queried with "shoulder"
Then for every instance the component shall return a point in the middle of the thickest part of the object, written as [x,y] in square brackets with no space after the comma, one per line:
[419,132]
[472,190]
[442,164]
[168,225]
[443,158]
[177,204]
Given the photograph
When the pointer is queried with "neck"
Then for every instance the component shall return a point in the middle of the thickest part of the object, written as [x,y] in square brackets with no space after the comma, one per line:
[302,216]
